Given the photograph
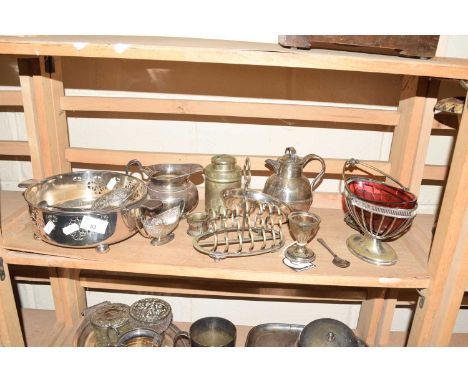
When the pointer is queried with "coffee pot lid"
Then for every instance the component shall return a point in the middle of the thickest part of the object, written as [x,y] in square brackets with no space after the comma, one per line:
[290,156]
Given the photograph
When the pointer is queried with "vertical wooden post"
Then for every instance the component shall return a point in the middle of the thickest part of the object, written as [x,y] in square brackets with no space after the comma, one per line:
[69,295]
[407,154]
[10,328]
[407,158]
[370,314]
[45,121]
[382,337]
[448,261]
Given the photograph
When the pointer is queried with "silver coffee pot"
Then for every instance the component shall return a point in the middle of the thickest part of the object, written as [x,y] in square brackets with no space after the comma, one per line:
[288,184]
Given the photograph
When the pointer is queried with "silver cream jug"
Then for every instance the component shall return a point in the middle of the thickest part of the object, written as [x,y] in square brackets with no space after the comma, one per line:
[288,183]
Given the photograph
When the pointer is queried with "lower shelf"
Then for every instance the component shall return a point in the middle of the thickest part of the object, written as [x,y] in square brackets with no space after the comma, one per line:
[41,329]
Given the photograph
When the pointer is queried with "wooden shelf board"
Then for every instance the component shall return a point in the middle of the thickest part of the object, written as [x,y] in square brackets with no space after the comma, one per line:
[228,52]
[41,329]
[179,259]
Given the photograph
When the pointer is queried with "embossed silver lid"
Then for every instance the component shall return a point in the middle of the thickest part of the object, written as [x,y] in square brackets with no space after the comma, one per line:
[150,310]
[111,315]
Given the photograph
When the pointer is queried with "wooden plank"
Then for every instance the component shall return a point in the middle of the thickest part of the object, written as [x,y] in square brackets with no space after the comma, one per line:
[14,148]
[10,328]
[228,52]
[448,262]
[69,295]
[404,154]
[179,259]
[433,172]
[214,288]
[382,337]
[11,98]
[121,158]
[56,119]
[231,109]
[370,314]
[45,122]
[396,45]
[422,141]
[28,71]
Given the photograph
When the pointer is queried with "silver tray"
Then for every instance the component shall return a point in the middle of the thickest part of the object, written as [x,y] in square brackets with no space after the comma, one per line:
[274,335]
[233,199]
[84,335]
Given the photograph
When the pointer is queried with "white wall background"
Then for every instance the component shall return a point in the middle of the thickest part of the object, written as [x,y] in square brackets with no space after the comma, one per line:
[186,136]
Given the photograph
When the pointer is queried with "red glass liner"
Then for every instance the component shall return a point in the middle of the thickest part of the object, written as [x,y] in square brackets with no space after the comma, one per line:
[382,194]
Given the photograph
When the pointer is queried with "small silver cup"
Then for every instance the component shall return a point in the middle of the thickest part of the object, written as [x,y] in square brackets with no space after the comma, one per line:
[303,227]
[198,223]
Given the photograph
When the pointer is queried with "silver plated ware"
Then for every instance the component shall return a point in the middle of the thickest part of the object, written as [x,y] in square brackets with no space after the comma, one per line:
[62,213]
[159,227]
[288,183]
[221,174]
[140,337]
[151,313]
[210,332]
[337,260]
[170,183]
[85,336]
[303,226]
[251,228]
[198,223]
[381,212]
[328,332]
[274,335]
[109,322]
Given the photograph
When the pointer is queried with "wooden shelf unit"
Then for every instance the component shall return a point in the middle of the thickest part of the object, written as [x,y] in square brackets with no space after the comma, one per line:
[439,275]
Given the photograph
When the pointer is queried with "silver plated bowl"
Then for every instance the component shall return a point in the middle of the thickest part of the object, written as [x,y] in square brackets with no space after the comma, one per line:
[63,208]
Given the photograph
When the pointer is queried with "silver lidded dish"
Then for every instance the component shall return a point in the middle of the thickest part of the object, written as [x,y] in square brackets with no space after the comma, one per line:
[151,313]
[72,210]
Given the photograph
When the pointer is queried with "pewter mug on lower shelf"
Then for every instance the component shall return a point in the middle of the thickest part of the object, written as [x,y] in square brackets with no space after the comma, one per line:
[288,183]
[170,183]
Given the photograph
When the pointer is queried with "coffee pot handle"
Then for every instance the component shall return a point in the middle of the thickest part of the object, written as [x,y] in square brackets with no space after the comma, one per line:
[320,175]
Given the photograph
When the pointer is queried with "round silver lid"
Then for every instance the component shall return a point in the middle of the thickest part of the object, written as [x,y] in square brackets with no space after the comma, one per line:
[150,310]
[111,315]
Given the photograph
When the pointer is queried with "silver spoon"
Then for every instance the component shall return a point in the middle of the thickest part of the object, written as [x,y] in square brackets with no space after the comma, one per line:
[337,260]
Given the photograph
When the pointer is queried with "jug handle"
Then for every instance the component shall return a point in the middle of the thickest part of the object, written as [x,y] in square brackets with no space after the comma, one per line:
[143,169]
[273,164]
[320,175]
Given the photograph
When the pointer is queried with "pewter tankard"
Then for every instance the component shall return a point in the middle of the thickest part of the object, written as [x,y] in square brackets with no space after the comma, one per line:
[288,184]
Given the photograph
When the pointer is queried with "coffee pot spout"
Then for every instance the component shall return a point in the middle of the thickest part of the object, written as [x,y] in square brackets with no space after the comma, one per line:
[273,164]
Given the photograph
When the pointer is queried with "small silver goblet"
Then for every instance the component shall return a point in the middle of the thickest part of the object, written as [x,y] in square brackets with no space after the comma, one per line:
[303,227]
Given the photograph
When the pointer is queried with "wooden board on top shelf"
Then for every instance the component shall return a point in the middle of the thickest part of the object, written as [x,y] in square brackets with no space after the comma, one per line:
[179,259]
[228,52]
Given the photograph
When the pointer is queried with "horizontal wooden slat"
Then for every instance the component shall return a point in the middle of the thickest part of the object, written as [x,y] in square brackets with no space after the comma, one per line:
[11,98]
[14,148]
[121,157]
[433,172]
[228,52]
[232,109]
